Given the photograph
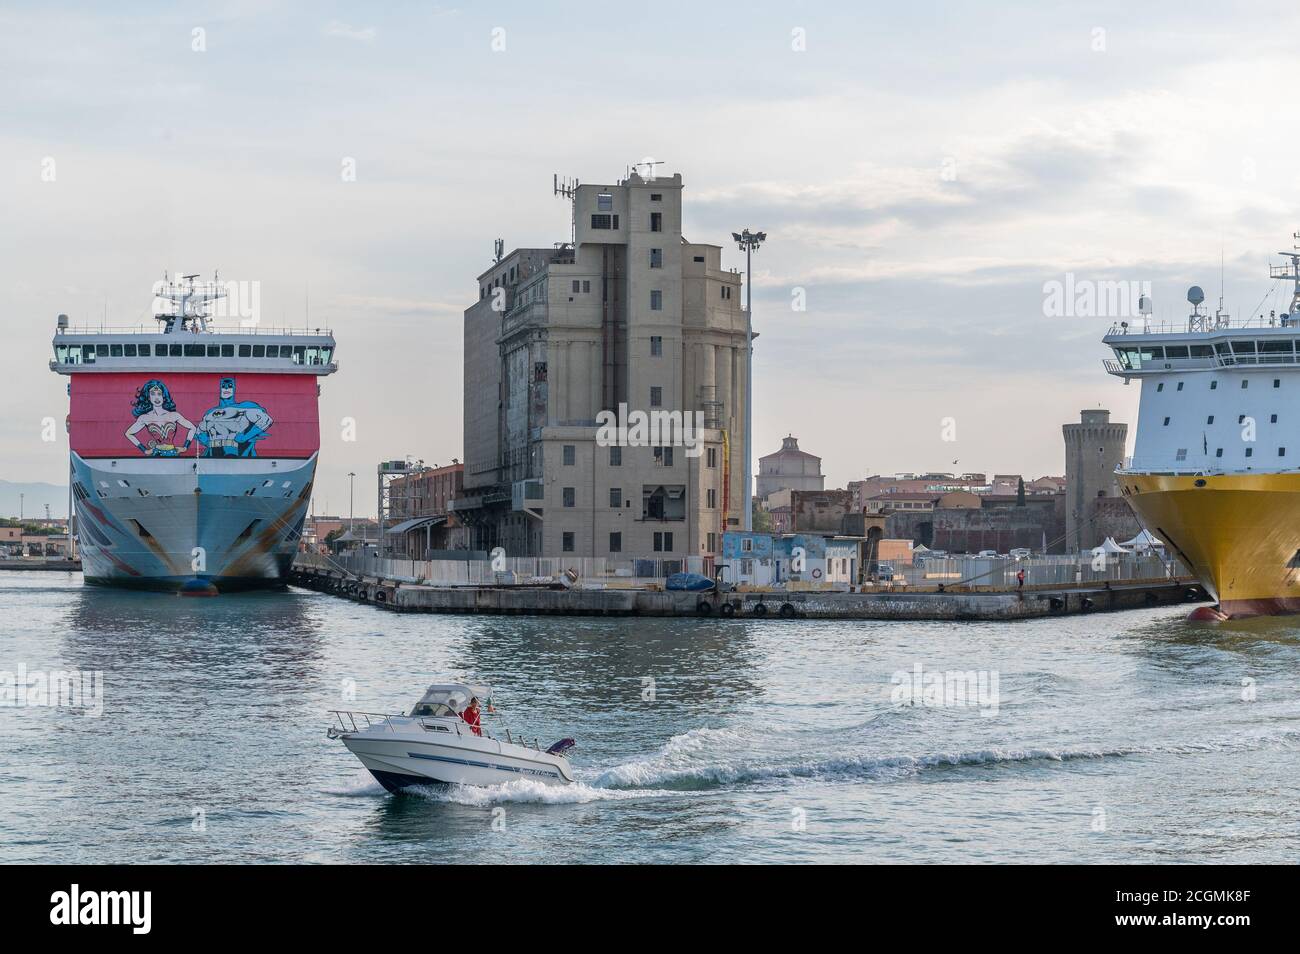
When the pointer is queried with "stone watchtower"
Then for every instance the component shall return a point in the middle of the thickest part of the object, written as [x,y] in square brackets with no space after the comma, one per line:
[1093,449]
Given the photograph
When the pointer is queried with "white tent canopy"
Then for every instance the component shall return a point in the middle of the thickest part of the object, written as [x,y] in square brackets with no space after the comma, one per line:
[1143,541]
[1110,546]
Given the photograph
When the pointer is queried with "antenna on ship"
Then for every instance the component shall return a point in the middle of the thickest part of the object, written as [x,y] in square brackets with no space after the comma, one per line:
[1291,272]
[186,304]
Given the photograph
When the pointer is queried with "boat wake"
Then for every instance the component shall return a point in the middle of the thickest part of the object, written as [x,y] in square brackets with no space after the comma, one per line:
[526,791]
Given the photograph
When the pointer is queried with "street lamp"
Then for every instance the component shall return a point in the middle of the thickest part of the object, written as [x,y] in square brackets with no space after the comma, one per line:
[749,242]
[352,510]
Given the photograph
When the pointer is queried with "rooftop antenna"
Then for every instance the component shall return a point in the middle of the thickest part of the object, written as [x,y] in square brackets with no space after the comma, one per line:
[498,250]
[646,168]
[568,189]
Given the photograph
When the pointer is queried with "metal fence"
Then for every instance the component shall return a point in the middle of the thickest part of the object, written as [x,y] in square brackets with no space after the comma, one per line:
[1051,570]
[636,571]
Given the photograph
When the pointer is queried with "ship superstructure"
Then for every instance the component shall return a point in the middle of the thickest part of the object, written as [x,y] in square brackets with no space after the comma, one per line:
[1215,471]
[193,447]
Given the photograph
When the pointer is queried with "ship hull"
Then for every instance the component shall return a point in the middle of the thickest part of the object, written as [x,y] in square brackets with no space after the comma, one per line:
[1239,533]
[190,524]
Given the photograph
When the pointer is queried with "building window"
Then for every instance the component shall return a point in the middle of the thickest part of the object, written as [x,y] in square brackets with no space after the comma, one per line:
[711,542]
[656,300]
[656,346]
[711,497]
[570,455]
[656,196]
[616,457]
[576,286]
[699,258]
[605,202]
[604,221]
[616,542]
[567,541]
[664,456]
[656,221]
[747,545]
[725,291]
[1210,419]
[663,542]
[569,496]
[711,457]
[657,397]
[616,496]
[656,258]
[586,285]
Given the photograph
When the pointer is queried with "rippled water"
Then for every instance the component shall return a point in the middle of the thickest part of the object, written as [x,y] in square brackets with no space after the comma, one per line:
[1122,737]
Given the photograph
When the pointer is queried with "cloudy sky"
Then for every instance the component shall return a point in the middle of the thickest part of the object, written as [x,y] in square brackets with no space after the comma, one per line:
[921,170]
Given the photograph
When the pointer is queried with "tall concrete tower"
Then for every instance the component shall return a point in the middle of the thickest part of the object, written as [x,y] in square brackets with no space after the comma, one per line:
[1093,449]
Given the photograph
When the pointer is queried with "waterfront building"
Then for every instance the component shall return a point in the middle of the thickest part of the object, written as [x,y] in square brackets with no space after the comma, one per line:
[1094,448]
[629,317]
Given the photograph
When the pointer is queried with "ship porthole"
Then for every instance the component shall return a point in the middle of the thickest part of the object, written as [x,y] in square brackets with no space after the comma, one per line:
[1200,483]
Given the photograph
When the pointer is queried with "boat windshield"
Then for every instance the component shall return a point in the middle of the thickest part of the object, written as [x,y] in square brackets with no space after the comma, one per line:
[449,700]
[434,710]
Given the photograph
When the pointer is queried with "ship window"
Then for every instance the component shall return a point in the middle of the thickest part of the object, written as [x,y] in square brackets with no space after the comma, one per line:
[101,351]
[115,350]
[259,351]
[1273,419]
[299,353]
[1213,385]
[1281,452]
[1244,384]
[1152,354]
[1160,387]
[214,351]
[195,351]
[1241,418]
[228,351]
[1182,454]
[1176,351]
[1275,347]
[1180,385]
[1219,452]
[1277,382]
[1243,347]
[245,350]
[1210,419]
[1250,452]
[144,350]
[273,351]
[1166,422]
[129,350]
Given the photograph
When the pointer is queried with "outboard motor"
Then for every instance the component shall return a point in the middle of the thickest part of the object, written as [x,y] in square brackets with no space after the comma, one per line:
[561,747]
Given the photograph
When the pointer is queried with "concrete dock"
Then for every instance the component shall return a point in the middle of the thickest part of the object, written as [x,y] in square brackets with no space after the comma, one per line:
[968,604]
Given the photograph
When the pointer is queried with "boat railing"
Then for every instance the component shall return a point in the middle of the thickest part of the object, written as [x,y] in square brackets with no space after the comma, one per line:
[347,719]
[241,329]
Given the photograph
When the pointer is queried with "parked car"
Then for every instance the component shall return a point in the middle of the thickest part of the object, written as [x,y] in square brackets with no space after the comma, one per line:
[1019,553]
[987,553]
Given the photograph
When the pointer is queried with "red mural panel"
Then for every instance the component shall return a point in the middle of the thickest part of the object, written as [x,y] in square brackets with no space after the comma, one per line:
[184,414]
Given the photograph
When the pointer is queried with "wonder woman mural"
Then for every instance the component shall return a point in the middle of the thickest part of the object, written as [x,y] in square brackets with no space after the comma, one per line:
[157,421]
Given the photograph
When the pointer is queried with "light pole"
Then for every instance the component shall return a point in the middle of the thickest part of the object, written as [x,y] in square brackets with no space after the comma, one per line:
[352,511]
[749,242]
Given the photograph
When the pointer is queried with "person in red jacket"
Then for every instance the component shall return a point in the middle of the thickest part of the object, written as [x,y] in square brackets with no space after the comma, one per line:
[471,716]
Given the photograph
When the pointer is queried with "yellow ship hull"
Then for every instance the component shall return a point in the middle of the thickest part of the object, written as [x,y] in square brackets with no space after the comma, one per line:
[1239,533]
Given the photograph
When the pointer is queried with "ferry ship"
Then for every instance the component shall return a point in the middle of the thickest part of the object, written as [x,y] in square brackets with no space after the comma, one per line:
[1215,471]
[193,448]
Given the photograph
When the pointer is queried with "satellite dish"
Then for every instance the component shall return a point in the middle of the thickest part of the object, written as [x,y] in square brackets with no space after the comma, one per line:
[1195,295]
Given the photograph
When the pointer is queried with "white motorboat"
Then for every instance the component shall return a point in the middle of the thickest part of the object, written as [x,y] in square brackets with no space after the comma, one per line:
[435,743]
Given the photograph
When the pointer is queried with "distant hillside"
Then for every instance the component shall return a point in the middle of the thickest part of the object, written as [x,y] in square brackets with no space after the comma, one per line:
[34,499]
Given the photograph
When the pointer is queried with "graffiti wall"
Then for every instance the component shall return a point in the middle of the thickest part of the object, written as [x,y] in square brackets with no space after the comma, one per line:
[194,415]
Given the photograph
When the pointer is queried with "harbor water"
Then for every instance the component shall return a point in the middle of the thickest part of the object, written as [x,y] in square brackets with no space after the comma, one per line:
[1125,737]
